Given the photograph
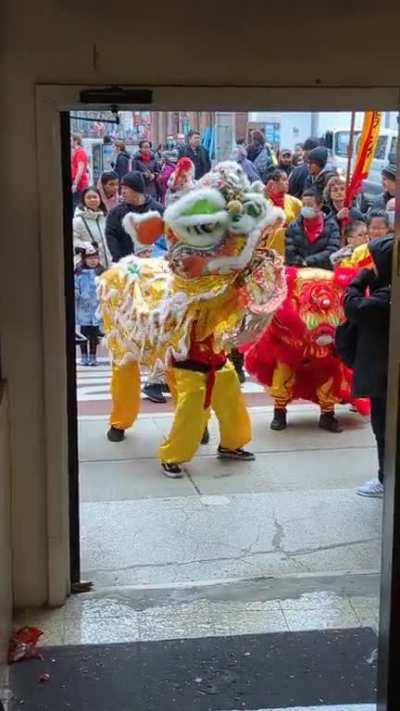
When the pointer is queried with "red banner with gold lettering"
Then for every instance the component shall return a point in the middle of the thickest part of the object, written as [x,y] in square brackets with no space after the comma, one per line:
[365,153]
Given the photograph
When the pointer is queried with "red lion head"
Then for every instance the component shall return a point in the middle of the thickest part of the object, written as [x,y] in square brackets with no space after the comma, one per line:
[307,321]
[304,327]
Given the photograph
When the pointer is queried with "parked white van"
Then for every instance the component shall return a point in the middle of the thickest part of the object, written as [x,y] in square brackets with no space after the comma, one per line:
[386,152]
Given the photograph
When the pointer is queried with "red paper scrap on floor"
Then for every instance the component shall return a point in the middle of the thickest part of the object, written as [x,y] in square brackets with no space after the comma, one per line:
[23,644]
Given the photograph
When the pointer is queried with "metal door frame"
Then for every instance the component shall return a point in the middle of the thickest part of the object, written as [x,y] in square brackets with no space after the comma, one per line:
[53,100]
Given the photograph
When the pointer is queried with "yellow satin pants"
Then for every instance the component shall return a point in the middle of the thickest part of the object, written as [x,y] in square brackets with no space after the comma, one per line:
[188,389]
[125,393]
[283,384]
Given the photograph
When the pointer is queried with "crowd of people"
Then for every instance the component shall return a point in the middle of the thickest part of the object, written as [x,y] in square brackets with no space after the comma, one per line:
[319,231]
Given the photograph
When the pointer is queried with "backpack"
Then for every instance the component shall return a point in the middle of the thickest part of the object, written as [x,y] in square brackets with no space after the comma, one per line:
[263,162]
[346,342]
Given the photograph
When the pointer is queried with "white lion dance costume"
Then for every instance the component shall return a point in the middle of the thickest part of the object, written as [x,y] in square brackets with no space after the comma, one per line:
[217,288]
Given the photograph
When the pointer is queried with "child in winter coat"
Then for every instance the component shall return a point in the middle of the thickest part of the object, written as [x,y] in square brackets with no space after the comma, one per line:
[355,234]
[86,302]
[170,159]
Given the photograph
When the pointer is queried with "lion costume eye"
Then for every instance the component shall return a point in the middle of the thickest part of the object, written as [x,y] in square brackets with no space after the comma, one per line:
[253,209]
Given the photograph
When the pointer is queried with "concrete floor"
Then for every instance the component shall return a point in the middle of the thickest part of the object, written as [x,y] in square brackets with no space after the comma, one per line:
[282,543]
[292,511]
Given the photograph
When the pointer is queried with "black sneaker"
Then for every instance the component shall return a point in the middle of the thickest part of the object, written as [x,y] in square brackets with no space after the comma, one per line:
[171,470]
[279,421]
[115,435]
[206,437]
[154,392]
[328,422]
[238,454]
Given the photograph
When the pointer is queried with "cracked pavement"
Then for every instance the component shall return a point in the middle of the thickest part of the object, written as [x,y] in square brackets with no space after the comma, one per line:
[291,512]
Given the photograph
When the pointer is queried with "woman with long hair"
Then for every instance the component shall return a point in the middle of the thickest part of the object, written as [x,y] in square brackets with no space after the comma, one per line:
[89,225]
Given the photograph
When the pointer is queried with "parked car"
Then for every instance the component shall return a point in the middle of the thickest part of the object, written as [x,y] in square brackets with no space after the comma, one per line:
[386,152]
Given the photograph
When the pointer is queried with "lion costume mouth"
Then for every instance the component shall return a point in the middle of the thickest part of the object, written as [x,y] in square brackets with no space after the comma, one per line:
[324,335]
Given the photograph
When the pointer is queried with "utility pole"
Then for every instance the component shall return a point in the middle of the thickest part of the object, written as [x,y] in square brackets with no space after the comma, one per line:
[315,124]
[224,134]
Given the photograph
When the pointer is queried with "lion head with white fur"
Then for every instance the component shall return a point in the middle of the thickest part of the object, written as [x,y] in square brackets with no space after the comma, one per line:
[215,228]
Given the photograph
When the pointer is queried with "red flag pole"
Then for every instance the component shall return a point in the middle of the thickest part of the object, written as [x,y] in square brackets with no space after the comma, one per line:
[350,148]
[350,151]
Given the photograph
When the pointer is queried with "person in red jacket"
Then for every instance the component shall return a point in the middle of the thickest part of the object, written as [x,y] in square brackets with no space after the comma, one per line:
[79,169]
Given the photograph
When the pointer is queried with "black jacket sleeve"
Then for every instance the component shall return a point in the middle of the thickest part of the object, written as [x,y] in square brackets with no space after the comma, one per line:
[361,309]
[322,259]
[292,255]
[113,234]
[296,181]
[206,161]
[122,165]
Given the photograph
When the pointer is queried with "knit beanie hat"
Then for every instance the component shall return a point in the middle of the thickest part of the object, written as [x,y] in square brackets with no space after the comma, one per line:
[319,156]
[90,250]
[310,143]
[389,171]
[134,180]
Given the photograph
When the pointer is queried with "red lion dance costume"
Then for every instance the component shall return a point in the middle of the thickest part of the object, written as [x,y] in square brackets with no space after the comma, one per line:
[295,355]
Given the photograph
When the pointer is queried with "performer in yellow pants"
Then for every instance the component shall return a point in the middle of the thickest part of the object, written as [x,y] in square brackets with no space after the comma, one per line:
[125,392]
[188,388]
[283,389]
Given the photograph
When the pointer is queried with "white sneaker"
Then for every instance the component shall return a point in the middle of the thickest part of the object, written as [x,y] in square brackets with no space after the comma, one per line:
[373,489]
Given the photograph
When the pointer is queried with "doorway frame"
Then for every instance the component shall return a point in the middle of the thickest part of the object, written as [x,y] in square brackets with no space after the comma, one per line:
[51,100]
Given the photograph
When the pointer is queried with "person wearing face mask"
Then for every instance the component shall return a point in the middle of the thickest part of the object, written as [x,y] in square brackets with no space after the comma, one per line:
[367,307]
[313,237]
[276,192]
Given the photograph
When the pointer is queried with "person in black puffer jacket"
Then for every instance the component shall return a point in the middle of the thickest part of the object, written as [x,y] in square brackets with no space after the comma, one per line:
[313,237]
[134,200]
[367,306]
[319,169]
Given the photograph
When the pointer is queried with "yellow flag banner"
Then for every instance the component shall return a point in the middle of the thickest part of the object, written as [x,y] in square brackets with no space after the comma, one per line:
[365,153]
